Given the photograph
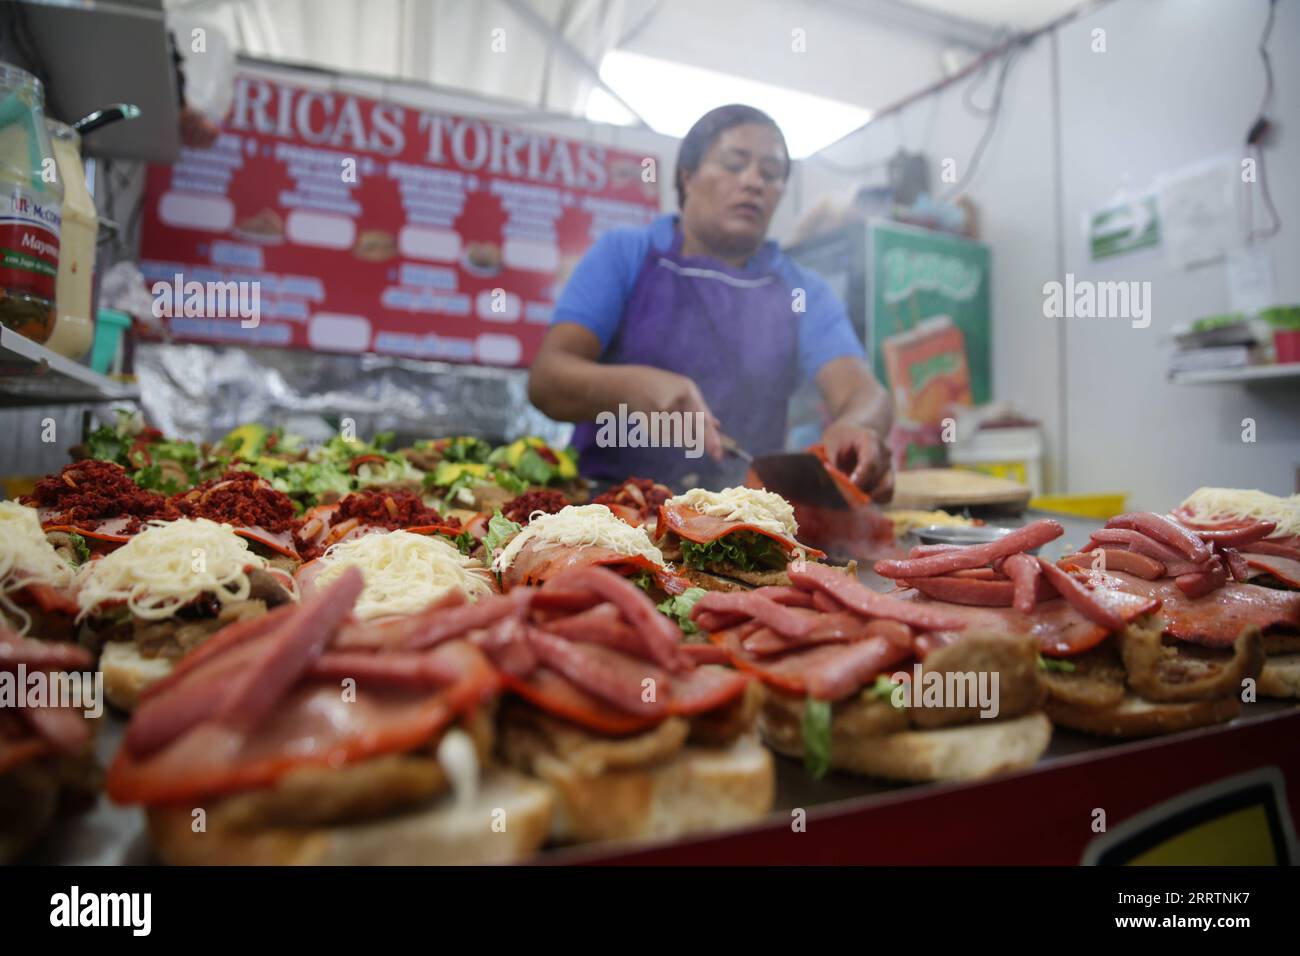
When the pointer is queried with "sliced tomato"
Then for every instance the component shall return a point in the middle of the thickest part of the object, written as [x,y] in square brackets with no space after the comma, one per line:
[555,694]
[312,727]
[706,687]
[88,533]
[280,543]
[687,523]
[50,600]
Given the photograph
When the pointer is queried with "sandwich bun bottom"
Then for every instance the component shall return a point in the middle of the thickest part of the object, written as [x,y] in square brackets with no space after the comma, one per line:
[1280,676]
[128,673]
[1134,716]
[869,736]
[506,821]
[653,785]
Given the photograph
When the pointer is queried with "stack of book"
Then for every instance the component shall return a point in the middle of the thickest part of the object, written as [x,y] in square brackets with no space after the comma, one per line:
[1218,342]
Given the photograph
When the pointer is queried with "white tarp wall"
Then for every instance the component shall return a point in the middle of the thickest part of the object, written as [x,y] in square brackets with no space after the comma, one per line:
[1180,82]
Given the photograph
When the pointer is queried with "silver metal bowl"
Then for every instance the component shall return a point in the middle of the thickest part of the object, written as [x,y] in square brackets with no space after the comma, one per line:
[962,535]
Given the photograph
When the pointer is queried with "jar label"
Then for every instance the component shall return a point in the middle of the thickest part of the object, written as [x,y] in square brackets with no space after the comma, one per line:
[29,244]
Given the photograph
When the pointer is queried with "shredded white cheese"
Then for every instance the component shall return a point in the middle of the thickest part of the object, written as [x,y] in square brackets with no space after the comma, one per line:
[404,572]
[168,565]
[1222,505]
[580,526]
[26,557]
[762,509]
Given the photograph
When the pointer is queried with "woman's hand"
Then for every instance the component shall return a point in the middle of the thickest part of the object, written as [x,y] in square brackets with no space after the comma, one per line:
[860,453]
[649,389]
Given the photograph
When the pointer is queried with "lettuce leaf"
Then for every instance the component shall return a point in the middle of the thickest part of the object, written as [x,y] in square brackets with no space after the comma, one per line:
[884,687]
[500,530]
[678,607]
[80,549]
[1051,664]
[817,736]
[746,550]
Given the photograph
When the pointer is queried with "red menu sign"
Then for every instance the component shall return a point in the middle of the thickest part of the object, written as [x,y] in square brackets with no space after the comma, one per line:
[333,222]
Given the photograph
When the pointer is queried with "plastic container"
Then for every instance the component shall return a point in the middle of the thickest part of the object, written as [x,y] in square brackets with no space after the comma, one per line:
[110,327]
[1284,320]
[1286,342]
[31,192]
[1015,453]
[1082,506]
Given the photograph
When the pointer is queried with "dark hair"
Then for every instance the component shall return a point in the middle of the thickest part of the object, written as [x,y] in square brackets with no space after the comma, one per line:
[705,133]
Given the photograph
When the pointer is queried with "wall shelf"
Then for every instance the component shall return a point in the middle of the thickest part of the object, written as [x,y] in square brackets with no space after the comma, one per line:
[1253,373]
[30,374]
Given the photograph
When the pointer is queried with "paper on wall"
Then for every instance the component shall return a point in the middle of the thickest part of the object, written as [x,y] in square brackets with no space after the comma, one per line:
[1199,212]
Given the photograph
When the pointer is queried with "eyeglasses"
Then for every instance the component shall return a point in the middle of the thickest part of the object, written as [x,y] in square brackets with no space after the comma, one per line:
[771,169]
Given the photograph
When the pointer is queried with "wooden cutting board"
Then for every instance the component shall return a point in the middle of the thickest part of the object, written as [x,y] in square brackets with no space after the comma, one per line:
[949,488]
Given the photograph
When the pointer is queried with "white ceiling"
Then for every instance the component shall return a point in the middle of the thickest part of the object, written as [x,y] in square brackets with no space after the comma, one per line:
[1018,14]
[867,53]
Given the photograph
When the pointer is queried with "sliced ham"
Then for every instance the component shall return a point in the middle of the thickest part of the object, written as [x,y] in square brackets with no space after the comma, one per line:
[237,676]
[448,622]
[860,599]
[298,641]
[790,621]
[1216,619]
[1082,597]
[312,726]
[685,522]
[1058,627]
[506,645]
[1199,583]
[1278,548]
[789,596]
[704,654]
[41,655]
[603,625]
[827,671]
[615,678]
[834,628]
[1286,570]
[661,635]
[413,669]
[65,729]
[538,562]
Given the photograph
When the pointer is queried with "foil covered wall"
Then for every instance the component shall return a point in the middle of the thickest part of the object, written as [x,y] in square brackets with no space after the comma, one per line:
[201,392]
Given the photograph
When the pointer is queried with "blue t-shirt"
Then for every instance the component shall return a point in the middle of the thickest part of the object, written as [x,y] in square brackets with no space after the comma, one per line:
[597,293]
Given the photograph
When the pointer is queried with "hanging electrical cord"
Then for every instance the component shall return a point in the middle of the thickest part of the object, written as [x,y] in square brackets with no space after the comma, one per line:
[1259,134]
[994,111]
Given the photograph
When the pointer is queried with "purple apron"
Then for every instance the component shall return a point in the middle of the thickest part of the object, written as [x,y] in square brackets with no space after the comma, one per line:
[733,332]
